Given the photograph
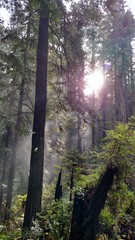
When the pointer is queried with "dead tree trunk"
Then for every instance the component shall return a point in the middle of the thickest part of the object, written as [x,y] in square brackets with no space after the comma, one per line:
[58,190]
[87,208]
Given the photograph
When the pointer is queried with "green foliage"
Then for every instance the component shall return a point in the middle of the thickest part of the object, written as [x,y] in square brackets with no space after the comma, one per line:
[101,237]
[11,230]
[73,158]
[18,206]
[86,169]
[118,216]
[119,148]
[107,219]
[56,219]
[71,161]
[87,181]
[9,233]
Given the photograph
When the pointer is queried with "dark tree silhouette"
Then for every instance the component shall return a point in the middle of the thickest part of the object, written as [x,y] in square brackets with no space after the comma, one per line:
[58,190]
[86,209]
[34,195]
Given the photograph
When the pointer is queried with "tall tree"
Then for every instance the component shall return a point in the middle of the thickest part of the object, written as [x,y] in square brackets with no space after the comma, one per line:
[33,202]
[17,126]
[14,74]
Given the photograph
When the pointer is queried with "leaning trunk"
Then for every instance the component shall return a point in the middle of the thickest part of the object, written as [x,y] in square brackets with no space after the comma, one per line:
[86,209]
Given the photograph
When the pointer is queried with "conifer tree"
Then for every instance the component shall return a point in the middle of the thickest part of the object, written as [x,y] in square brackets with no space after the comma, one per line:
[34,196]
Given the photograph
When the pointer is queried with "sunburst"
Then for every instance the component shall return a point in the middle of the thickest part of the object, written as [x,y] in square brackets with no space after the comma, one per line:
[93,83]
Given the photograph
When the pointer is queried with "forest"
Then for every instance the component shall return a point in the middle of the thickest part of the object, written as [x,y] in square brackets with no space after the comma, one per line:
[67,120]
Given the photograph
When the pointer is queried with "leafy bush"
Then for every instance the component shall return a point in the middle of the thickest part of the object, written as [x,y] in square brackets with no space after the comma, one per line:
[119,148]
[56,219]
[107,219]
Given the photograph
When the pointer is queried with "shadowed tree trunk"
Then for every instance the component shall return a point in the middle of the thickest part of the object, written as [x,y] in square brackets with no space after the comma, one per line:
[94,137]
[86,209]
[58,190]
[104,113]
[33,202]
[6,138]
[71,183]
[79,134]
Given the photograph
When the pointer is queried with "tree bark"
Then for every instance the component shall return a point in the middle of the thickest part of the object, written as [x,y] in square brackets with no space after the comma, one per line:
[33,202]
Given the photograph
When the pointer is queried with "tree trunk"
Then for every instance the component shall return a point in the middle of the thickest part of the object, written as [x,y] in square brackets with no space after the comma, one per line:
[103,113]
[71,183]
[103,107]
[79,134]
[94,137]
[58,190]
[16,134]
[33,202]
[123,73]
[120,108]
[86,209]
[93,95]
[13,157]
[4,170]
[132,108]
